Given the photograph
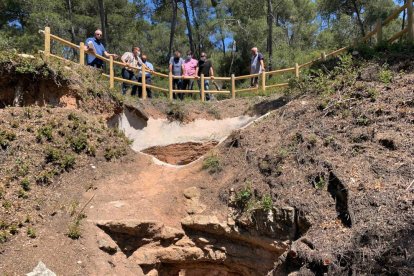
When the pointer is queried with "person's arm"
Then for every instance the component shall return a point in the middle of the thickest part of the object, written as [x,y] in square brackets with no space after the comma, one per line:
[183,70]
[262,64]
[212,72]
[196,73]
[107,55]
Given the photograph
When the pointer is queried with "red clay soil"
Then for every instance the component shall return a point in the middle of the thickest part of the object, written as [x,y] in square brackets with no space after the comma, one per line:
[181,154]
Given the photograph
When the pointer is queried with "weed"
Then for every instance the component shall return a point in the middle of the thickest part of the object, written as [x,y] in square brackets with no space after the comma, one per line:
[79,143]
[243,196]
[175,112]
[74,229]
[212,163]
[114,153]
[72,208]
[7,204]
[52,155]
[267,203]
[13,229]
[3,236]
[362,120]
[312,139]
[328,141]
[45,177]
[25,184]
[27,112]
[283,152]
[319,183]
[31,233]
[385,75]
[73,117]
[68,162]
[22,194]
[372,93]
[45,132]
[5,138]
[22,169]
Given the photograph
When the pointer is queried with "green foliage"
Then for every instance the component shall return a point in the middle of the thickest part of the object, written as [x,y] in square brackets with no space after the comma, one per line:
[45,132]
[7,204]
[385,75]
[31,233]
[114,152]
[267,203]
[175,112]
[243,196]
[211,163]
[25,184]
[22,194]
[79,143]
[5,138]
[319,183]
[3,236]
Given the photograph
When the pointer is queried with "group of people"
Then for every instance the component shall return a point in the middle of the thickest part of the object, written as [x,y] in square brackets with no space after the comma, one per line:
[188,68]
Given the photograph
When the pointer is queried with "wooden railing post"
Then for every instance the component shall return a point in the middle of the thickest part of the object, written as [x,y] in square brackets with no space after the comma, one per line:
[379,31]
[111,72]
[263,81]
[144,82]
[170,86]
[82,53]
[203,96]
[47,42]
[410,20]
[233,86]
[323,56]
[297,70]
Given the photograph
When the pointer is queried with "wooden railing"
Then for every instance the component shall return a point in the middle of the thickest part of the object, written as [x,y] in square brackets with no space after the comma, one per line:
[233,89]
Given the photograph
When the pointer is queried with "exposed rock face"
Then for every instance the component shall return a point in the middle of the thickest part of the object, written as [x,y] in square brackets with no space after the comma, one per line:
[206,247]
[41,270]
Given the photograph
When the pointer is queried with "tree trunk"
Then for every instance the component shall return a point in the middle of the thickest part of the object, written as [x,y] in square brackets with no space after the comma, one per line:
[270,33]
[72,28]
[360,23]
[197,27]
[173,23]
[403,18]
[103,25]
[187,19]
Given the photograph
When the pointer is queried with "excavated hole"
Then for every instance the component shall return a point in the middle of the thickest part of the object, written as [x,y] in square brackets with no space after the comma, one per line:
[173,142]
[180,154]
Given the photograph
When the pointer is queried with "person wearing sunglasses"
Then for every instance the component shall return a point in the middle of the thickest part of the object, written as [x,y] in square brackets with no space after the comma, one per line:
[94,46]
[205,67]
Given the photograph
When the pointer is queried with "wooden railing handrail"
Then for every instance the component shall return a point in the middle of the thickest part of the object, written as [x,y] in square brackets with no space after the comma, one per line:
[81,48]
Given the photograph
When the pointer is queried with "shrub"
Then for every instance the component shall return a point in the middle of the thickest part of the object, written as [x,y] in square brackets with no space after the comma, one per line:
[267,203]
[5,138]
[53,155]
[22,194]
[114,153]
[45,132]
[212,164]
[3,236]
[79,143]
[31,233]
[68,162]
[74,231]
[385,75]
[25,184]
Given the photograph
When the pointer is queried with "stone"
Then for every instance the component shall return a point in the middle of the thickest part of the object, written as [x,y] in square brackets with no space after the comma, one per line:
[41,270]
[109,247]
[192,192]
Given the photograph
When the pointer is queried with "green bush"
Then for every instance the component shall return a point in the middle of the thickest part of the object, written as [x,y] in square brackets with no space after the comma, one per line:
[385,75]
[211,163]
[267,203]
[31,233]
[25,184]
[45,132]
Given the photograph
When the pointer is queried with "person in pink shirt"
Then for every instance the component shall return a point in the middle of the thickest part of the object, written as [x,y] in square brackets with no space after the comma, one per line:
[189,70]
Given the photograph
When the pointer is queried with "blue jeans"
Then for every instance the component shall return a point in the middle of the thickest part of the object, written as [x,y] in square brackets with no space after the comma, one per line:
[206,88]
[128,75]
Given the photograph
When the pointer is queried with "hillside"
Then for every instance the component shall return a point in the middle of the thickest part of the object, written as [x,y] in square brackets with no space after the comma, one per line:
[317,180]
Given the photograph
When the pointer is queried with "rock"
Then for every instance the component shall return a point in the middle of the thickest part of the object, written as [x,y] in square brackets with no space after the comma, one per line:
[41,270]
[133,227]
[192,192]
[109,247]
[152,272]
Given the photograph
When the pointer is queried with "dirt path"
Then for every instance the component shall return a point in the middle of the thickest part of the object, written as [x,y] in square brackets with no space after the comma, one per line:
[141,190]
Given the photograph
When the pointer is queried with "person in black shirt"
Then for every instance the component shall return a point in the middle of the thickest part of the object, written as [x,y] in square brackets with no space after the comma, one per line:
[204,67]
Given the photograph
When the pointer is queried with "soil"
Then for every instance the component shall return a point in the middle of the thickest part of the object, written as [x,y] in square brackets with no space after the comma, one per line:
[180,154]
[346,168]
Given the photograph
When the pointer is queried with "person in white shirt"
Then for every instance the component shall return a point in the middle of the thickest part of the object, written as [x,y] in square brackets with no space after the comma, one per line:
[132,62]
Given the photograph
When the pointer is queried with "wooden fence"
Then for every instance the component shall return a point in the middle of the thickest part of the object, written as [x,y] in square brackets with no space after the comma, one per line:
[409,30]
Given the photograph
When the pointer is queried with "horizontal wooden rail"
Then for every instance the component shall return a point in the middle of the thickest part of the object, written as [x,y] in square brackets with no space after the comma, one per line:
[398,35]
[278,85]
[185,91]
[336,52]
[63,41]
[159,74]
[157,88]
[394,15]
[247,89]
[247,77]
[279,71]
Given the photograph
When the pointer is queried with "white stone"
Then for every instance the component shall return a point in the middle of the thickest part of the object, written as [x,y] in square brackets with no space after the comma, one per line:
[41,270]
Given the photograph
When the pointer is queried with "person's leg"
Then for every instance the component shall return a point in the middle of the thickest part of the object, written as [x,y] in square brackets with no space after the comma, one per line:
[206,88]
[175,81]
[125,75]
[180,87]
[149,92]
[134,87]
[140,88]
